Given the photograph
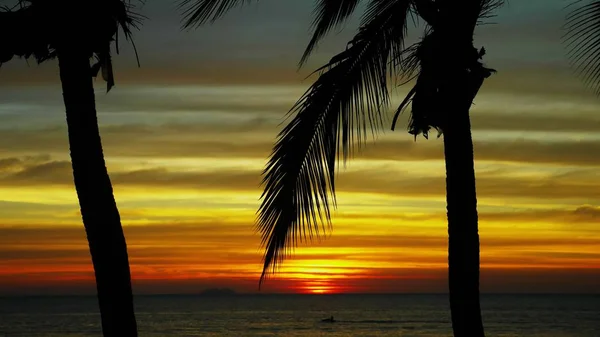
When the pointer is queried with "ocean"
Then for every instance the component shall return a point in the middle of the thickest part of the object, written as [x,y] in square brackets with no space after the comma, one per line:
[300,315]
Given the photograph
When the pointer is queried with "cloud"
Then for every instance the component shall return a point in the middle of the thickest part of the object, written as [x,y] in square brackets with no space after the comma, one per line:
[582,214]
[275,32]
[393,181]
[404,280]
[233,180]
[255,139]
[540,280]
[17,164]
[498,121]
[43,172]
[30,170]
[231,242]
[519,150]
[185,72]
[537,90]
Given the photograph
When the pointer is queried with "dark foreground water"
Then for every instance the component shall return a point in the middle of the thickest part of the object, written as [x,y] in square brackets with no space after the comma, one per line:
[300,315]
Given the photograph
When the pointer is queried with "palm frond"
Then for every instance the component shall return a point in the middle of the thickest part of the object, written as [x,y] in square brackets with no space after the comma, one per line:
[409,66]
[405,63]
[118,14]
[335,114]
[422,97]
[582,40]
[488,8]
[125,15]
[199,12]
[328,15]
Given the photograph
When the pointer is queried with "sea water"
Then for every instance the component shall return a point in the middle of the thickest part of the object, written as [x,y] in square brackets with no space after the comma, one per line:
[300,315]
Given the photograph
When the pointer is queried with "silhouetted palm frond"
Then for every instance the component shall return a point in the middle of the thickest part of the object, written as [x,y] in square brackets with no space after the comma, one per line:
[199,12]
[582,39]
[114,14]
[335,114]
[125,15]
[422,97]
[328,15]
[489,7]
[403,59]
[409,66]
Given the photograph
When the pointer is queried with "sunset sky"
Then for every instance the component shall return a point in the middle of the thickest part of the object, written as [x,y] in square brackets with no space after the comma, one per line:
[187,135]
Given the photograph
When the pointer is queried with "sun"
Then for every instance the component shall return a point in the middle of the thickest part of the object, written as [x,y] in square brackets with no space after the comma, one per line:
[320,291]
[318,287]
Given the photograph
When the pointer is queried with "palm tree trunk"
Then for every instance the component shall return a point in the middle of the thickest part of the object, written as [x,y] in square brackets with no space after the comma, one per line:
[463,236]
[98,207]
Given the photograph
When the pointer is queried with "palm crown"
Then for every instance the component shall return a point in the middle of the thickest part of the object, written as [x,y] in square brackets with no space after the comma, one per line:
[43,25]
[349,99]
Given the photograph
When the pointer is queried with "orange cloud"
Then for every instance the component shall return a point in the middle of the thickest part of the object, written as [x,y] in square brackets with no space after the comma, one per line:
[205,252]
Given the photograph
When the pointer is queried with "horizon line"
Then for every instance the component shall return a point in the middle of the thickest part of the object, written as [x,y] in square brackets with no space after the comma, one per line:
[200,294]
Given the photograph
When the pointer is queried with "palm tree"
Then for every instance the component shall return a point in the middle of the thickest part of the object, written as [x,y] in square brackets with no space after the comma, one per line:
[73,32]
[581,38]
[350,97]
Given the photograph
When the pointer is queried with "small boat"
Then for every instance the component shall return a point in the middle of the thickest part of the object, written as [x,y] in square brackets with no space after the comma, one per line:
[328,320]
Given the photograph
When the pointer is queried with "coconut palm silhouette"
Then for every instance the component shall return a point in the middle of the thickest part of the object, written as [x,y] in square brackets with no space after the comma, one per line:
[349,98]
[74,32]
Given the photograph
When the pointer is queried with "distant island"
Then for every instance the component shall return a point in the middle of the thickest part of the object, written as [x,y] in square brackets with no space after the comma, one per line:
[218,292]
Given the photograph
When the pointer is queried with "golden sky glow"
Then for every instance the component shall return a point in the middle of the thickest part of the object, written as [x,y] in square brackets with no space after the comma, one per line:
[185,148]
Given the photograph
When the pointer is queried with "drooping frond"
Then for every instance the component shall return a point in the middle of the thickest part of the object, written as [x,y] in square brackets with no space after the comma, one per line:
[199,12]
[113,14]
[335,114]
[407,63]
[409,66]
[328,15]
[582,40]
[421,59]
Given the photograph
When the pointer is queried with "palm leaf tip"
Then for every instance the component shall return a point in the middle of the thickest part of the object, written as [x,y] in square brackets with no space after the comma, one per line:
[581,38]
[273,258]
[199,12]
[328,15]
